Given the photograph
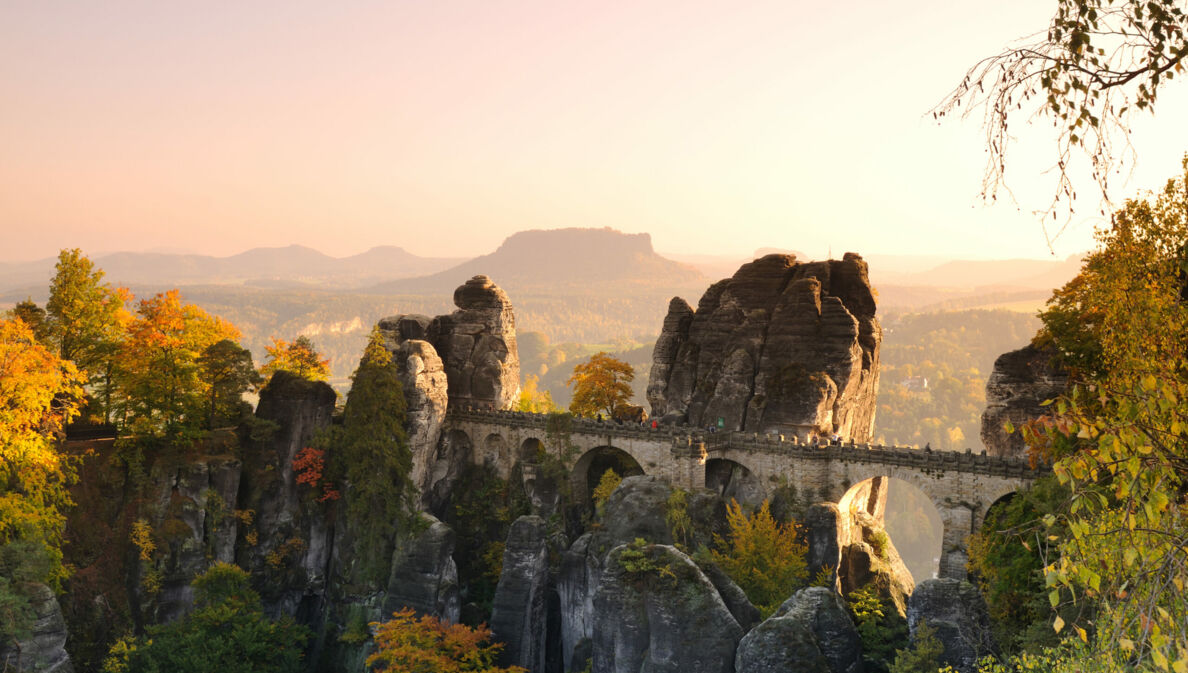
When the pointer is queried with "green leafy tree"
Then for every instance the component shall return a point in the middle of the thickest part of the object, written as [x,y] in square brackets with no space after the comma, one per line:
[880,627]
[300,357]
[600,385]
[374,457]
[924,654]
[86,320]
[226,369]
[1098,63]
[764,557]
[228,632]
[35,317]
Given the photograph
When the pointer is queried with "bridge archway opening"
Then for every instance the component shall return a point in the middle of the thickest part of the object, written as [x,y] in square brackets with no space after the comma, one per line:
[495,451]
[595,462]
[531,450]
[733,480]
[991,522]
[910,518]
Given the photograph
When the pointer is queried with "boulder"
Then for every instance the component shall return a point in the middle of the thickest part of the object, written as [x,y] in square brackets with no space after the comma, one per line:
[424,576]
[519,613]
[44,650]
[655,611]
[957,612]
[1018,385]
[781,346]
[810,632]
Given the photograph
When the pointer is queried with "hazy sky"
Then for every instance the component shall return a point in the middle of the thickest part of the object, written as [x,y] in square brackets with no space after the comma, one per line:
[444,126]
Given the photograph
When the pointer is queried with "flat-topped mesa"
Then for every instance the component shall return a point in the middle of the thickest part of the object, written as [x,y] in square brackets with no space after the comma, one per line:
[781,346]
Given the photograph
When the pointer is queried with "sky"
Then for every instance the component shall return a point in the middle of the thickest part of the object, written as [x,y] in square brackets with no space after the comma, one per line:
[443,127]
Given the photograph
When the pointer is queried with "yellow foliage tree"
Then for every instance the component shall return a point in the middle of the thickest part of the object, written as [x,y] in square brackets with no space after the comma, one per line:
[39,394]
[600,385]
[764,557]
[300,357]
[533,400]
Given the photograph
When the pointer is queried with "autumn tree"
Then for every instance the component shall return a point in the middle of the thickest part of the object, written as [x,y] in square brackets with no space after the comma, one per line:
[160,374]
[39,394]
[426,644]
[35,317]
[85,320]
[764,557]
[533,400]
[300,357]
[600,385]
[227,632]
[1120,436]
[1099,63]
[374,458]
[226,369]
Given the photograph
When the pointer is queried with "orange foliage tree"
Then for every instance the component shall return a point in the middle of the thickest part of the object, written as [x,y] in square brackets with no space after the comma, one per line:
[300,357]
[309,465]
[428,645]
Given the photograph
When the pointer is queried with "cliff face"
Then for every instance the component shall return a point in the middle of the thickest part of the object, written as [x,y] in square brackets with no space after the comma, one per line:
[780,346]
[1019,384]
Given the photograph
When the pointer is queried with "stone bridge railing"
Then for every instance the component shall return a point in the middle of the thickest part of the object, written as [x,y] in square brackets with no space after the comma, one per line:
[921,459]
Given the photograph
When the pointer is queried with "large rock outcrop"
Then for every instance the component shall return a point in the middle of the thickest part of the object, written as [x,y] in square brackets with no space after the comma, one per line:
[868,556]
[957,612]
[1019,384]
[44,649]
[518,616]
[655,611]
[424,576]
[810,632]
[292,536]
[780,346]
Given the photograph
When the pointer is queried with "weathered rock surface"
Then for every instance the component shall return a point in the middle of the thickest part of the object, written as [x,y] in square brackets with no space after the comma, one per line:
[781,346]
[821,524]
[956,610]
[868,556]
[285,524]
[810,632]
[746,614]
[477,344]
[518,616]
[44,651]
[193,513]
[423,379]
[1020,382]
[577,583]
[424,576]
[666,619]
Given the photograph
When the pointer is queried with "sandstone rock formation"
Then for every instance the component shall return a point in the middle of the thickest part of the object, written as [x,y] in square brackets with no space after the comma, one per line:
[44,650]
[868,556]
[821,525]
[660,613]
[518,617]
[424,576]
[286,524]
[781,346]
[956,610]
[1020,382]
[477,344]
[811,631]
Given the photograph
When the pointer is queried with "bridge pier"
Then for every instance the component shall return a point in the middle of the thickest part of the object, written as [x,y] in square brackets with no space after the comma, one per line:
[958,521]
[688,464]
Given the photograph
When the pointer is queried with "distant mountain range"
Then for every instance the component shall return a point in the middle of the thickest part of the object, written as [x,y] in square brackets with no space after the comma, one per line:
[292,266]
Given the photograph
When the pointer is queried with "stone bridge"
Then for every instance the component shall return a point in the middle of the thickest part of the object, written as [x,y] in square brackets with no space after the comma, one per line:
[962,486]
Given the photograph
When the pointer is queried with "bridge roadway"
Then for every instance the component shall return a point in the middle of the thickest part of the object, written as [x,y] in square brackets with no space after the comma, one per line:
[962,486]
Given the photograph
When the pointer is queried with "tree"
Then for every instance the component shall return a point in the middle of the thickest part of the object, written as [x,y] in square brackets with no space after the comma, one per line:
[300,357]
[427,645]
[226,369]
[159,373]
[35,317]
[228,631]
[86,319]
[1120,435]
[764,557]
[374,457]
[533,400]
[39,394]
[600,385]
[1099,62]
[924,654]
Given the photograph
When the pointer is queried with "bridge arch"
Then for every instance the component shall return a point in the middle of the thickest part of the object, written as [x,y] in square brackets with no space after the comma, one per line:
[589,468]
[530,450]
[495,452]
[733,480]
[911,519]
